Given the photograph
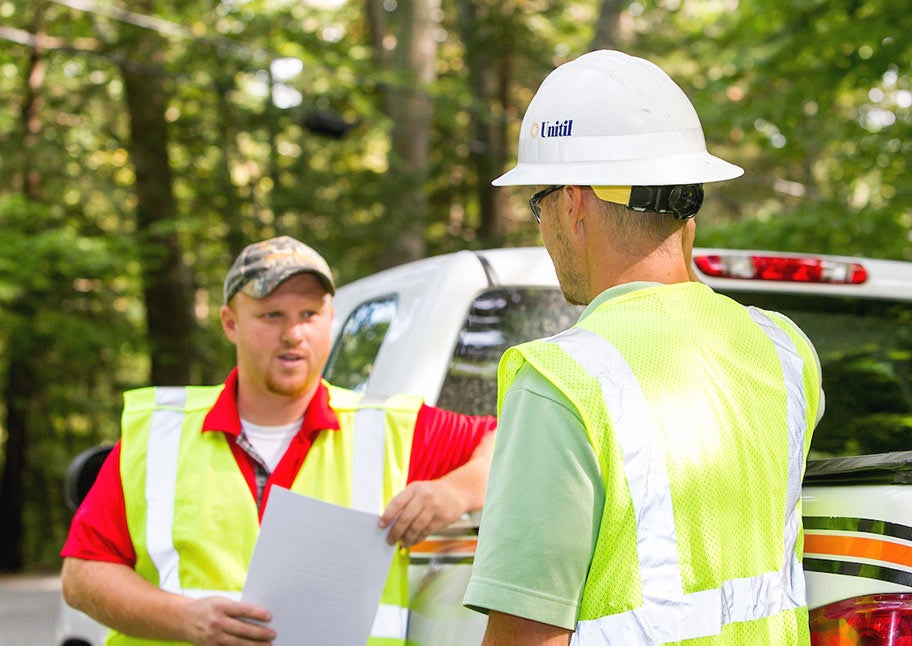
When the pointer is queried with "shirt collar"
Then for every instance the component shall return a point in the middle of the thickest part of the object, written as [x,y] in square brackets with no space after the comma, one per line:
[224,416]
[613,292]
[627,288]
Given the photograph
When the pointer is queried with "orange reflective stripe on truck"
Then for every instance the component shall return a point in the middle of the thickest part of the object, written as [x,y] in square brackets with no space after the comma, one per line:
[859,547]
[444,550]
[847,546]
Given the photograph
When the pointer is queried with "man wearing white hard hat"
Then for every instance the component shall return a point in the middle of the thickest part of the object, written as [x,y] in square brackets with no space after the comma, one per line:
[646,481]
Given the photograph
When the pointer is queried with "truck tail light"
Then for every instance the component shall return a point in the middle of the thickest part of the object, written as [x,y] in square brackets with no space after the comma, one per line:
[786,268]
[875,620]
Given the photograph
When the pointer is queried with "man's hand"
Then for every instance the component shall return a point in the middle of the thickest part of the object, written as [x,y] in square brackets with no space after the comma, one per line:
[216,620]
[425,506]
[420,509]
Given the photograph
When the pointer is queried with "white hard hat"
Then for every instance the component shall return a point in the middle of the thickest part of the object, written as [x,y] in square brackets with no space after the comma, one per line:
[607,118]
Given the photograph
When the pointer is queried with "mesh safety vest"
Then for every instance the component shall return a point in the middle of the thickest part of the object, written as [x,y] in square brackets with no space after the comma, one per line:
[700,412]
[194,522]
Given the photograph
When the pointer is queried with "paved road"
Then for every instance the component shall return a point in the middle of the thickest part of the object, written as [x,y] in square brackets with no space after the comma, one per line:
[28,610]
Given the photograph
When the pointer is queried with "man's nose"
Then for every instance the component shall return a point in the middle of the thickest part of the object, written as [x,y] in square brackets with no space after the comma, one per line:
[294,333]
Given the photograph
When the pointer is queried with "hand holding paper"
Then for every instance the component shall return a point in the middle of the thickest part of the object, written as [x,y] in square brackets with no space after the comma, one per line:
[319,569]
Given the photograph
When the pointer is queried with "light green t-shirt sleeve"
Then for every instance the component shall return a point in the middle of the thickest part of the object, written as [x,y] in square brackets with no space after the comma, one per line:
[542,509]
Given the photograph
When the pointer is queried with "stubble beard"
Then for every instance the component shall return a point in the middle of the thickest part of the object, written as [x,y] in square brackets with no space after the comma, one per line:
[286,389]
[572,297]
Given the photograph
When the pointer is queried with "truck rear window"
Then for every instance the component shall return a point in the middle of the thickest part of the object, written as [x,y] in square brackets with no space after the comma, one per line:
[865,349]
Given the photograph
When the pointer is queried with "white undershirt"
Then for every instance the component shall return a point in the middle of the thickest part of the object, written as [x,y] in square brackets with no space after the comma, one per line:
[270,442]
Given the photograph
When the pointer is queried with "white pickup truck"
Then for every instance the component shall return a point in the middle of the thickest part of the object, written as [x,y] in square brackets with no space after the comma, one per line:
[438,326]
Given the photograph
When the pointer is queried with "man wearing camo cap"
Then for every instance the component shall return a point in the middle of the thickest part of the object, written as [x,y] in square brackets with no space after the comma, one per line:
[224,447]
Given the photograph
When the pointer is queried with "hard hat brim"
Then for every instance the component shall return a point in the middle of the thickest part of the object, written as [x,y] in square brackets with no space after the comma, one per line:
[691,168]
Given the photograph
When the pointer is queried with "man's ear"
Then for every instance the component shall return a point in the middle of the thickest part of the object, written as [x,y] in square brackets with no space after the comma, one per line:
[576,209]
[229,322]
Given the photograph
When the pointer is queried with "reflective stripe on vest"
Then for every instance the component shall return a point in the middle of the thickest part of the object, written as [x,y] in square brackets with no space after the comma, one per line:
[161,459]
[390,622]
[667,613]
[368,459]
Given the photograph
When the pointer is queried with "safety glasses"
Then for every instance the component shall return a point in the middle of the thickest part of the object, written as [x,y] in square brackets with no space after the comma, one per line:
[535,200]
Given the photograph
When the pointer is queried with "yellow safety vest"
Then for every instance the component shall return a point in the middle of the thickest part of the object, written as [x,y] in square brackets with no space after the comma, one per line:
[701,443]
[194,523]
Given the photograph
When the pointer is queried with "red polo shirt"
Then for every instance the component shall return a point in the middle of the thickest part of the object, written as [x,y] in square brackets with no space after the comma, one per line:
[443,441]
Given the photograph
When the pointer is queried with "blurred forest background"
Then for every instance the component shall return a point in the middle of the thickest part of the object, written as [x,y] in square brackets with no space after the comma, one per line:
[143,143]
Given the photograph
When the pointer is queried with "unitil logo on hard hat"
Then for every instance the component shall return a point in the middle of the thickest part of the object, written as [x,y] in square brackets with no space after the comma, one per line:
[547,129]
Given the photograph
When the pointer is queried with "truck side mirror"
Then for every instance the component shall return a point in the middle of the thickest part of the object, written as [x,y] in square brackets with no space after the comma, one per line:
[81,474]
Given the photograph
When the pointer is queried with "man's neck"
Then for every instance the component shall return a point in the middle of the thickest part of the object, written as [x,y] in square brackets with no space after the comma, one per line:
[657,267]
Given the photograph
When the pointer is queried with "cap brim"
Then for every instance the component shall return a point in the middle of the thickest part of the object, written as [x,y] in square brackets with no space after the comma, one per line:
[696,168]
[260,288]
[324,280]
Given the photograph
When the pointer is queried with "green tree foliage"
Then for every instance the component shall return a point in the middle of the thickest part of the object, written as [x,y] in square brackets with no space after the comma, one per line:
[69,316]
[818,95]
[278,121]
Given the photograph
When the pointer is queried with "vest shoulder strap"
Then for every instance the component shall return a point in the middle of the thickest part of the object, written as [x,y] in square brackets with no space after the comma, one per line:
[342,399]
[186,398]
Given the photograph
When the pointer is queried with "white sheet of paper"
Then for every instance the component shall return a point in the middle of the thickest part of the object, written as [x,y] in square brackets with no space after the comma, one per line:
[319,569]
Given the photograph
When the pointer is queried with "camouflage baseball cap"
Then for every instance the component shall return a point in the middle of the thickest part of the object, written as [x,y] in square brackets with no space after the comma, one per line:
[263,266]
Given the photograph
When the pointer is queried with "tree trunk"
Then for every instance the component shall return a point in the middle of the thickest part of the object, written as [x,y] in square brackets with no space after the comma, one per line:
[607,26]
[411,111]
[229,206]
[17,394]
[166,279]
[489,66]
[376,25]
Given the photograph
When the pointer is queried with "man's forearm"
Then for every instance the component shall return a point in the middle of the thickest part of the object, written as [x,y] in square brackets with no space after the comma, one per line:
[509,630]
[471,479]
[116,596]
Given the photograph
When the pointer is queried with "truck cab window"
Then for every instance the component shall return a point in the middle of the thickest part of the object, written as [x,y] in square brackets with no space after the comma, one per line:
[352,358]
